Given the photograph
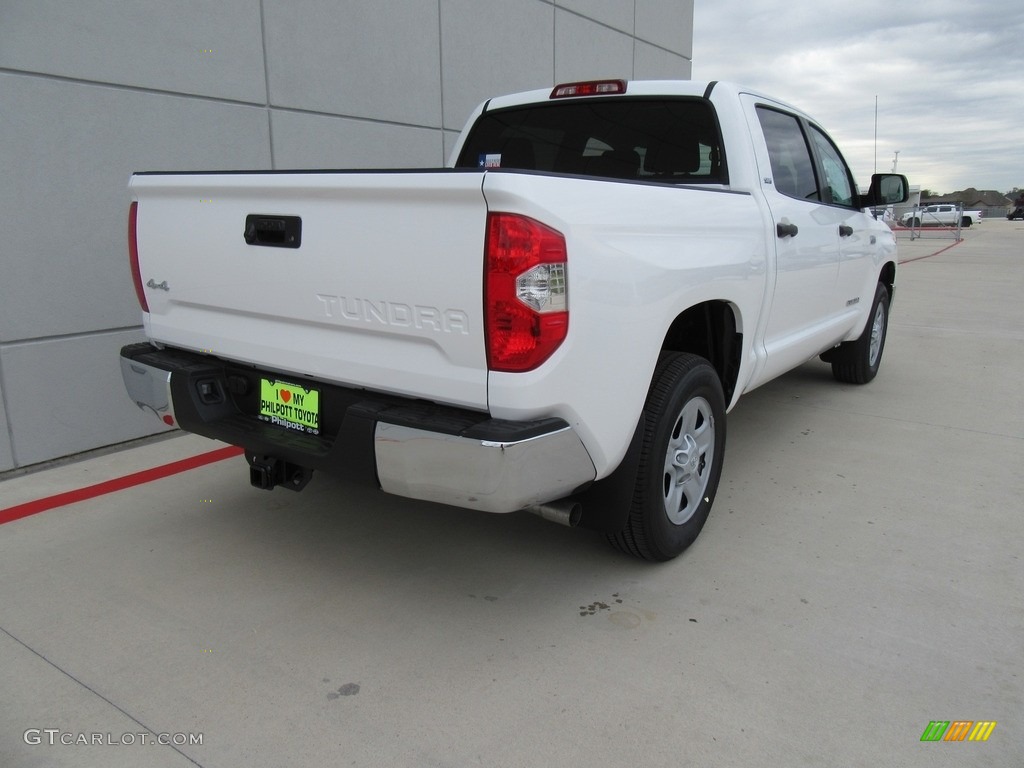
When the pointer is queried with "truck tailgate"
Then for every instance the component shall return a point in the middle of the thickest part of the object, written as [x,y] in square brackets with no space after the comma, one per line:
[383,291]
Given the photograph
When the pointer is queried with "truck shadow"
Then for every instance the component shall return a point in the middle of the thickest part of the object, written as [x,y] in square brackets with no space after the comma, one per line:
[349,532]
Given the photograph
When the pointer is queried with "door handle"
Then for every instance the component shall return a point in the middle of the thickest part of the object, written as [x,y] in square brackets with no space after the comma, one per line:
[845,231]
[786,230]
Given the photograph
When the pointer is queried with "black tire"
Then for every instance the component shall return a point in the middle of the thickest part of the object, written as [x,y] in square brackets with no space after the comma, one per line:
[915,223]
[966,222]
[857,362]
[680,459]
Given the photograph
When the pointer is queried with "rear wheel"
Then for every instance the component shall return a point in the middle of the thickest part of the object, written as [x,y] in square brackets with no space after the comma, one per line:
[680,461]
[857,362]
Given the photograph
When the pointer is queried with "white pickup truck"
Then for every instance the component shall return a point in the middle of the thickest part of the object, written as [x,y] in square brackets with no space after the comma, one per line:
[941,215]
[557,323]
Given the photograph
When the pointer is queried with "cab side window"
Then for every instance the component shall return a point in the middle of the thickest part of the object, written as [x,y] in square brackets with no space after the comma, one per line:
[792,166]
[838,181]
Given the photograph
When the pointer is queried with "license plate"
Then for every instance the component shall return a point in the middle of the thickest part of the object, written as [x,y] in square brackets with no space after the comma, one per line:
[290,406]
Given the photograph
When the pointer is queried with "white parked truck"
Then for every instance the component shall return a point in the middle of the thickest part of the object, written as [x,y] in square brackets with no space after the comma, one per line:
[941,215]
[558,322]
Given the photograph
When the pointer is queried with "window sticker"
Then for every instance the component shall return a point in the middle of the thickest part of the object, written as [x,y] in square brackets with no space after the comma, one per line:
[489,161]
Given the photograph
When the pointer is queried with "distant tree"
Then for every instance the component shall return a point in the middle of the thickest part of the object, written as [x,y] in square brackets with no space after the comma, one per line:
[925,193]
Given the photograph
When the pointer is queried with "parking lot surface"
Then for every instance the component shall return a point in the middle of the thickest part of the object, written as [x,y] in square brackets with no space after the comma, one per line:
[860,576]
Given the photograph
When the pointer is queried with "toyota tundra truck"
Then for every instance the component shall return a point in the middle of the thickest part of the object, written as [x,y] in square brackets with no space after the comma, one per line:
[941,215]
[558,321]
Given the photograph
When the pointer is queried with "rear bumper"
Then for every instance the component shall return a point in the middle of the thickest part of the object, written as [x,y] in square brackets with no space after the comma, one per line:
[408,448]
[492,475]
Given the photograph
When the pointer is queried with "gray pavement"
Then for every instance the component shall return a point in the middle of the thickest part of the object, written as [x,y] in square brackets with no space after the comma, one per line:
[860,576]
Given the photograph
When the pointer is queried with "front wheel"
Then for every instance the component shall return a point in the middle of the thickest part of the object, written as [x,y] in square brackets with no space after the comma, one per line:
[857,362]
[680,459]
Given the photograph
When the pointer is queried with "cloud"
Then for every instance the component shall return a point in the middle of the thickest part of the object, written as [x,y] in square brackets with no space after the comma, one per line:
[947,76]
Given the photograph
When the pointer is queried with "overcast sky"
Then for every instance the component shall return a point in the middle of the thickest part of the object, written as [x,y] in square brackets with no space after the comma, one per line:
[949,77]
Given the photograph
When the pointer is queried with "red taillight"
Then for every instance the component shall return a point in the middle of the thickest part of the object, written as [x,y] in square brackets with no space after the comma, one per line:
[526,292]
[589,88]
[133,255]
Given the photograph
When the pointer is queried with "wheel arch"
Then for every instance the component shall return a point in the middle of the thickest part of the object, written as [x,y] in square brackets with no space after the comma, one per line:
[712,330]
[887,277]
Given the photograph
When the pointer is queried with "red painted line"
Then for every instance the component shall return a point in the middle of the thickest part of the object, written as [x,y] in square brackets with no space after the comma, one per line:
[19,511]
[941,250]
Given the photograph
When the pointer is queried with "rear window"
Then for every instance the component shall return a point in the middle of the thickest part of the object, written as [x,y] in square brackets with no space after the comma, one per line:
[666,140]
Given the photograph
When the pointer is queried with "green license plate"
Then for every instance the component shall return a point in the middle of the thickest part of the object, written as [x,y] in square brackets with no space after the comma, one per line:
[290,406]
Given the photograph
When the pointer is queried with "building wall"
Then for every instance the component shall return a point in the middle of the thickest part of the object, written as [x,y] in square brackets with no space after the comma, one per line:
[91,91]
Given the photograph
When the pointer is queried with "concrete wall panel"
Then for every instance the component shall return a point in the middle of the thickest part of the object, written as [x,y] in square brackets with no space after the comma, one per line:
[357,59]
[586,50]
[488,51]
[189,46]
[666,24]
[6,456]
[651,63]
[91,91]
[66,395]
[615,13]
[302,140]
[64,200]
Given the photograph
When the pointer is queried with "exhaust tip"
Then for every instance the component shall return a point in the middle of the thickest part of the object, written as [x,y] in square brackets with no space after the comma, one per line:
[567,513]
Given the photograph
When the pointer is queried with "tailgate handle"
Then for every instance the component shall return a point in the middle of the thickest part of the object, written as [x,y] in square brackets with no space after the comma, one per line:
[273,231]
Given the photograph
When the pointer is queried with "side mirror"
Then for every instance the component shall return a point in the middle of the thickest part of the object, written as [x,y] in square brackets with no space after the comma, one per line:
[886,189]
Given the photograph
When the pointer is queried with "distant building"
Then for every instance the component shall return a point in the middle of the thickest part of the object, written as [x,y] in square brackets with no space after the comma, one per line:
[992,204]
